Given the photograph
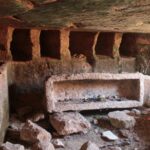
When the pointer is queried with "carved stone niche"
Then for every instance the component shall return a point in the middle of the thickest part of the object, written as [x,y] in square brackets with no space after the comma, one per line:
[91,91]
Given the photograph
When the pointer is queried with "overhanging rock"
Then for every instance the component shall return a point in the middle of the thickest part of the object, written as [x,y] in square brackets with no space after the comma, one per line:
[91,91]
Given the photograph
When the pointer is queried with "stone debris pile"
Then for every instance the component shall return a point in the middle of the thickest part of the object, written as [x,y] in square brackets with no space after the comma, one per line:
[108,131]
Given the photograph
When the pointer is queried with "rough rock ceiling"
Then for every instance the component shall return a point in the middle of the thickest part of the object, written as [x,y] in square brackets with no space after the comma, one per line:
[118,15]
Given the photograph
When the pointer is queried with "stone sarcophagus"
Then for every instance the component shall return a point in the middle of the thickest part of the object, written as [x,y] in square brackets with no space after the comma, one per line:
[91,91]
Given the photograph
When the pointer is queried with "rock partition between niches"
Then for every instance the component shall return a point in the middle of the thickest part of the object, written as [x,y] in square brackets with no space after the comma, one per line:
[4,111]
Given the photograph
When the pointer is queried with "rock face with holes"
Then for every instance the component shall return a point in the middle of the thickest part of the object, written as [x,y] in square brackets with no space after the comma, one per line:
[69,122]
[47,52]
[83,91]
[4,111]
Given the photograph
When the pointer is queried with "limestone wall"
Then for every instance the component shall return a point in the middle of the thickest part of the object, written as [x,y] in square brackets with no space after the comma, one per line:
[4,111]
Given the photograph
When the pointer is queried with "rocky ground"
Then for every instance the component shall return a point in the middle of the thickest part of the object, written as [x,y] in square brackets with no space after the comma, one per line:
[92,130]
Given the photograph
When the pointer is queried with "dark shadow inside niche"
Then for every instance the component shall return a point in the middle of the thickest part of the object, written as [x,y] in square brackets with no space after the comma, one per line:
[82,43]
[2,47]
[1,63]
[21,45]
[128,47]
[3,53]
[50,43]
[104,45]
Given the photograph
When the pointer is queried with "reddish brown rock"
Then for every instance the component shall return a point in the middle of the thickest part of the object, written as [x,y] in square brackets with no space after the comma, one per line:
[33,133]
[69,122]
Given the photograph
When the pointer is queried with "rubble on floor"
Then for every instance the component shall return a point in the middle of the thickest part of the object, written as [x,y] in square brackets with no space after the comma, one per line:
[84,131]
[145,111]
[120,119]
[11,146]
[136,111]
[58,143]
[33,133]
[44,145]
[89,146]
[69,122]
[115,148]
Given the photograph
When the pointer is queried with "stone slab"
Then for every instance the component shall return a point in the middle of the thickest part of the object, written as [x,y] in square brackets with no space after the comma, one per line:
[63,92]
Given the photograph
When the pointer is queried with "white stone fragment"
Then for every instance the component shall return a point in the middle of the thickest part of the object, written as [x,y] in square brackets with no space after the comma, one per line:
[109,135]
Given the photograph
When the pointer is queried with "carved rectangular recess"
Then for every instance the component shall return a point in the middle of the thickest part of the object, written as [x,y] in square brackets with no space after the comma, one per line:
[21,45]
[133,43]
[50,43]
[105,43]
[81,42]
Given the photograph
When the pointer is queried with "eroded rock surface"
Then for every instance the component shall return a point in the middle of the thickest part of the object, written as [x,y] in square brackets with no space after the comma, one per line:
[69,122]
